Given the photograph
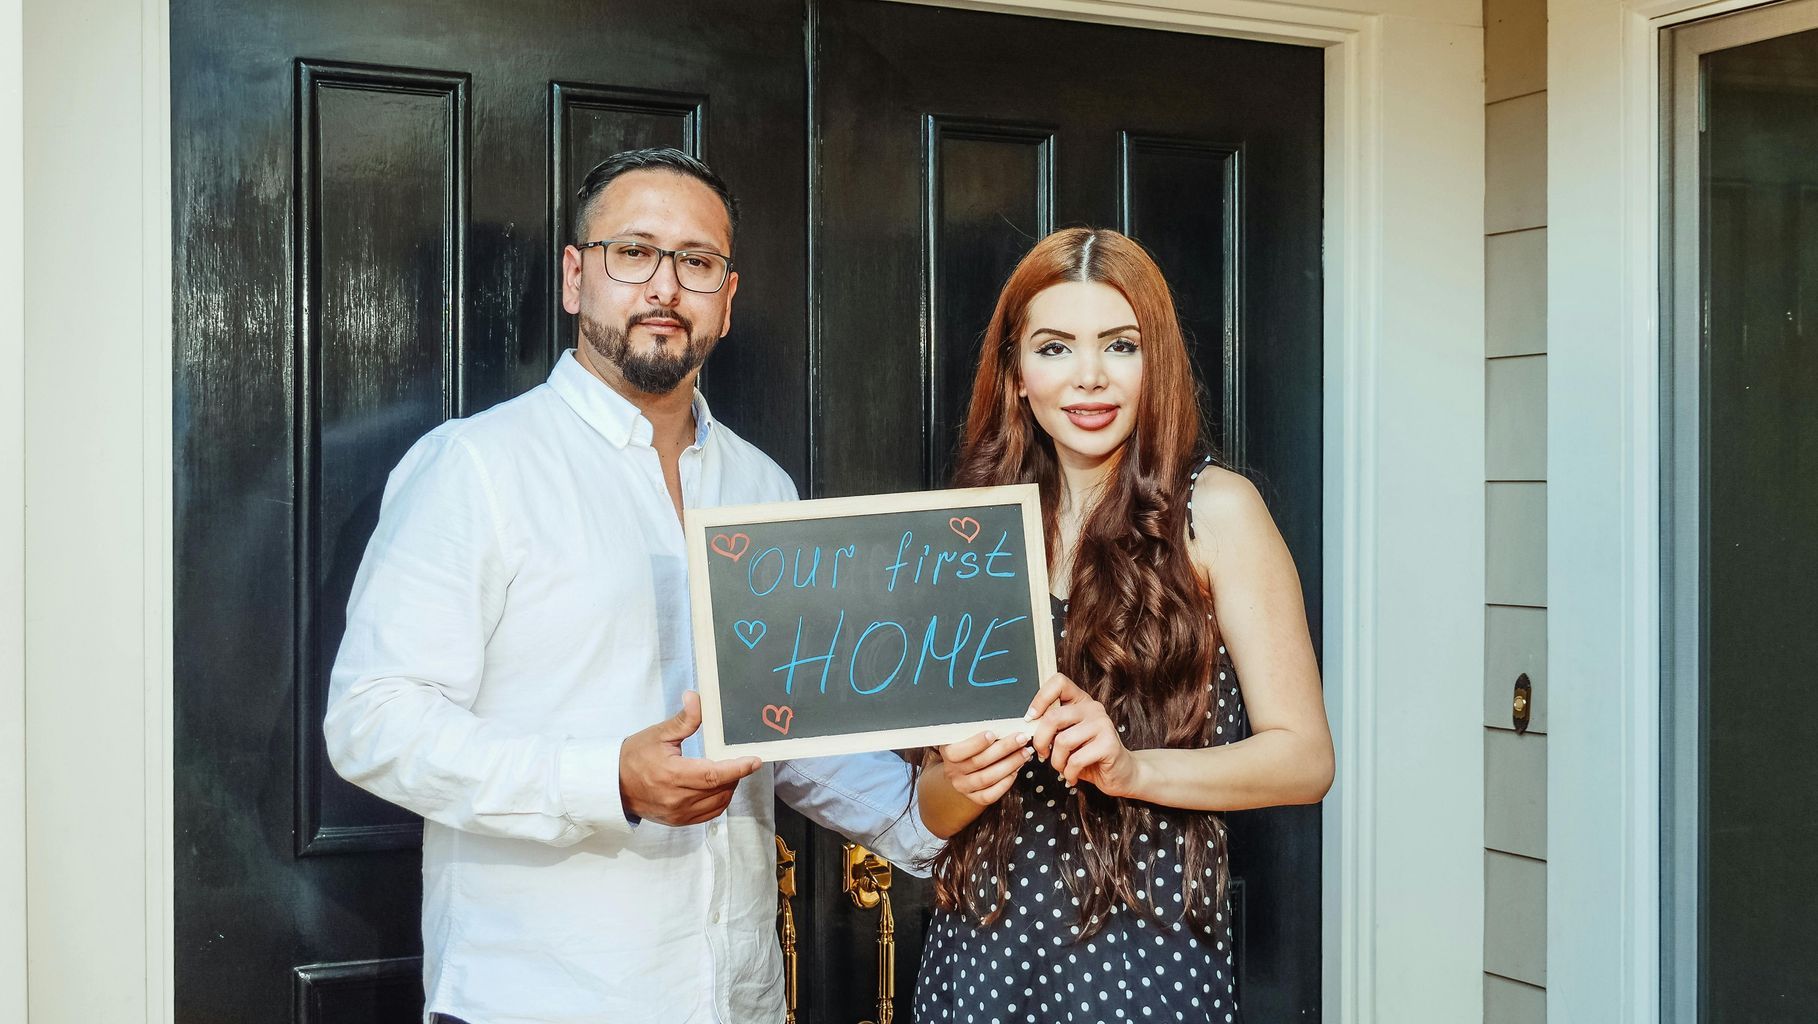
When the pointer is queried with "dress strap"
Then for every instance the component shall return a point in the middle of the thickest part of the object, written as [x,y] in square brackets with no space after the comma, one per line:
[1192,479]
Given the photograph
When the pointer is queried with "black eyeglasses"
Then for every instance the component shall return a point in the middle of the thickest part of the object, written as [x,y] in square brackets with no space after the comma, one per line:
[632,262]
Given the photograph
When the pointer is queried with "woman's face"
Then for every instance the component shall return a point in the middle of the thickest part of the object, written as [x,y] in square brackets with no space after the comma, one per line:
[1082,367]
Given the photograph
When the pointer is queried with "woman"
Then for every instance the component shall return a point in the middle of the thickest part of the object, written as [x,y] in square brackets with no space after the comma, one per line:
[1093,888]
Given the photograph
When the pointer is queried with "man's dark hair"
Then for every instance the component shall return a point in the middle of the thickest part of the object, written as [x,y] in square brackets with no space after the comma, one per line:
[665,159]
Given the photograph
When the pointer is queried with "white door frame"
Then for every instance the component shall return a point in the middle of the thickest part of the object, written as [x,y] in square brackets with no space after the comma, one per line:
[12,518]
[1403,888]
[1604,505]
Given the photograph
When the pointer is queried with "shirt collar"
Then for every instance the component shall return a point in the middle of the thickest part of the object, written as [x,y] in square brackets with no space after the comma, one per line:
[611,413]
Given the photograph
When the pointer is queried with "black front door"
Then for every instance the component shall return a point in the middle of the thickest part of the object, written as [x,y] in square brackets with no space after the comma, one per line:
[366,194]
[367,200]
[949,141]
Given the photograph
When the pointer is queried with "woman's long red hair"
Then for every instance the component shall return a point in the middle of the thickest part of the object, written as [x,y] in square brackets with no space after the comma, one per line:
[1140,633]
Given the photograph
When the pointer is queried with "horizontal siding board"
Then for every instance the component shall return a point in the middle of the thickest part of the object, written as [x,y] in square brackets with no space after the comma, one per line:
[1515,431]
[1515,793]
[1515,164]
[1515,917]
[1515,293]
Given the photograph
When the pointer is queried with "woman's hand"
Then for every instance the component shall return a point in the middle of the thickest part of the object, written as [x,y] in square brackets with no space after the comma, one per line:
[1077,737]
[982,768]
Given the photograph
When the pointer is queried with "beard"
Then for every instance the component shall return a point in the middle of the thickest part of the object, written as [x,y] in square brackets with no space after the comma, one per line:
[659,371]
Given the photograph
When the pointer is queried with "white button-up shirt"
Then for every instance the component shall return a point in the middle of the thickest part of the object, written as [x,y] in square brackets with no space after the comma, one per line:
[523,607]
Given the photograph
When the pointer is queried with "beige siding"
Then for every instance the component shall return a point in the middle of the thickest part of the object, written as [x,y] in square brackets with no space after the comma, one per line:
[1512,1002]
[1516,544]
[1515,793]
[1515,406]
[1515,293]
[1515,500]
[1514,48]
[1515,929]
[1515,164]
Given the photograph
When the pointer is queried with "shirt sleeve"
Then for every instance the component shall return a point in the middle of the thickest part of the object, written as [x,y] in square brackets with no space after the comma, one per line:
[869,799]
[399,724]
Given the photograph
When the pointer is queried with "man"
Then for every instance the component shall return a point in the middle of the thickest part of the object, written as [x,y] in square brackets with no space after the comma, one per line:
[521,617]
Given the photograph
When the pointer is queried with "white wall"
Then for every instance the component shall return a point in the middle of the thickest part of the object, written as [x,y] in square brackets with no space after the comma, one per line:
[1427,537]
[96,456]
[12,526]
[1603,553]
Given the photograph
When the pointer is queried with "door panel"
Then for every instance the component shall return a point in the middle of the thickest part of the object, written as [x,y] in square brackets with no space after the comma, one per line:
[949,142]
[381,220]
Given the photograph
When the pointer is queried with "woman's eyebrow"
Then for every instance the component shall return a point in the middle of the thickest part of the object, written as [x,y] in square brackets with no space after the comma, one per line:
[1116,330]
[1063,335]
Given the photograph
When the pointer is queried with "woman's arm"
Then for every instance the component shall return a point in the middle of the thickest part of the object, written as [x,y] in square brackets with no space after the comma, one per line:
[969,776]
[1288,758]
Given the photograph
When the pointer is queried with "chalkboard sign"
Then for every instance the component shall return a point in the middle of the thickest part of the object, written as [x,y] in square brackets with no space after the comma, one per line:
[868,623]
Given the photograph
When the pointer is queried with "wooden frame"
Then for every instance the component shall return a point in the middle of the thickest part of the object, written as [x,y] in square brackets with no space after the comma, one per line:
[698,523]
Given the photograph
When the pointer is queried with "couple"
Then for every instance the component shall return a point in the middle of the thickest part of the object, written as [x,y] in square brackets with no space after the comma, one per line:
[521,617]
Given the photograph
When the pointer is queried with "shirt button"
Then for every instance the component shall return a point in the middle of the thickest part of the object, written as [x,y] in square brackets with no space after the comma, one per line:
[716,917]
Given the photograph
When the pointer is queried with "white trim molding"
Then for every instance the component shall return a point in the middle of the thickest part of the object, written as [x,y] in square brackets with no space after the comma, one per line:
[1603,510]
[13,886]
[97,409]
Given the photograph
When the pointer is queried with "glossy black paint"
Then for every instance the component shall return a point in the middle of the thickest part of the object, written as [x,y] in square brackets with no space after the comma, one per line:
[948,142]
[365,194]
[368,208]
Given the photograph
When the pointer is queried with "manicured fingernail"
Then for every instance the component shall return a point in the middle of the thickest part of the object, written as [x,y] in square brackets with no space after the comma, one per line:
[991,737]
[1023,738]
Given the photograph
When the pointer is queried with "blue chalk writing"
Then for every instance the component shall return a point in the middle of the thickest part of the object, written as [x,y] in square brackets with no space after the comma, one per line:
[852,669]
[813,570]
[998,552]
[796,660]
[849,551]
[895,567]
[980,655]
[961,633]
[751,571]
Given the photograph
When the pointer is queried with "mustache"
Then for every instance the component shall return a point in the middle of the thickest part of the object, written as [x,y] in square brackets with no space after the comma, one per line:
[657,314]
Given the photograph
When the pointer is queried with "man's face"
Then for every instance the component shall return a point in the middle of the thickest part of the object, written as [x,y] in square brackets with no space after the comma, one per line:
[651,337]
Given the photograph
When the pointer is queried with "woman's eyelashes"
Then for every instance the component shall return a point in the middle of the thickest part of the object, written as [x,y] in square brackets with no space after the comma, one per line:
[1119,346]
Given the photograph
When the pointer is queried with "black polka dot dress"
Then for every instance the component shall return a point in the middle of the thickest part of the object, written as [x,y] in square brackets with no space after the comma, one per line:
[1030,967]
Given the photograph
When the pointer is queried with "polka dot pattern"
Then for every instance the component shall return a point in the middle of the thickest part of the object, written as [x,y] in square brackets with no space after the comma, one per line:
[1031,966]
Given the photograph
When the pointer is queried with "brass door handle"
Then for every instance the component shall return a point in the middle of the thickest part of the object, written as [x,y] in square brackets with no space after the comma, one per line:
[866,882]
[785,923]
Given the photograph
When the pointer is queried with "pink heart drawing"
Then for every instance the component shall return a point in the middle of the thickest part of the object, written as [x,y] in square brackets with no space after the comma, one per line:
[965,526]
[732,547]
[778,718]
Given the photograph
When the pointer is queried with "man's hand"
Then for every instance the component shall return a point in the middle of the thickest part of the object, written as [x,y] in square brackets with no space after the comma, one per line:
[657,783]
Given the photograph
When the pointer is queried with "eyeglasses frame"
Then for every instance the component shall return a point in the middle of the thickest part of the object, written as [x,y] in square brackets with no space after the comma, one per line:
[663,254]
